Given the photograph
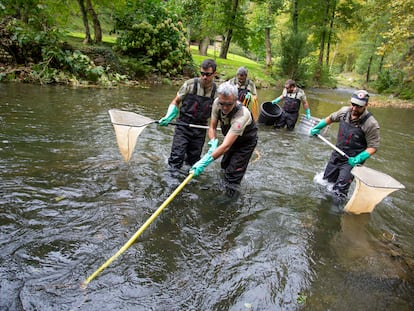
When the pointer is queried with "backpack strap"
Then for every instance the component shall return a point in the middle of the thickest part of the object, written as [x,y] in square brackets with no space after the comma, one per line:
[195,86]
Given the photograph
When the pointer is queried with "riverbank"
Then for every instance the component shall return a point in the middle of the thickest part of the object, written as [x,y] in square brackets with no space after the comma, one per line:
[226,69]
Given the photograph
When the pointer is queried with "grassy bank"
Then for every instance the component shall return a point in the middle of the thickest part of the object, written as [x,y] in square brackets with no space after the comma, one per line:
[227,68]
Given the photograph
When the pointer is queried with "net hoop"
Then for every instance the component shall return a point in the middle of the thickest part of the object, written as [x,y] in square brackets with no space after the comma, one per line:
[128,126]
[371,188]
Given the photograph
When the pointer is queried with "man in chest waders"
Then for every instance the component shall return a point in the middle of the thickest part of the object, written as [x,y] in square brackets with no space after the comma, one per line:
[292,97]
[246,88]
[197,96]
[240,138]
[358,137]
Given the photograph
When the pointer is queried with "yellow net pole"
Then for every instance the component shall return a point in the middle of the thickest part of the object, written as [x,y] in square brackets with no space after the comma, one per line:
[139,232]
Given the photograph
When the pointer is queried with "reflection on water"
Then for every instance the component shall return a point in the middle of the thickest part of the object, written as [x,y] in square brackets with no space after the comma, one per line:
[69,202]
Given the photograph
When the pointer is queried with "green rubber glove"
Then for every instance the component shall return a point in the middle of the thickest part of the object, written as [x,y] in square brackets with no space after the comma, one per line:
[307,112]
[359,158]
[275,101]
[317,128]
[248,96]
[213,143]
[199,167]
[171,114]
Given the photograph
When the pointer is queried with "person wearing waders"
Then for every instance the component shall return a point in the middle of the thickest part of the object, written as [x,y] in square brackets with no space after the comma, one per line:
[246,87]
[197,96]
[240,138]
[292,97]
[358,137]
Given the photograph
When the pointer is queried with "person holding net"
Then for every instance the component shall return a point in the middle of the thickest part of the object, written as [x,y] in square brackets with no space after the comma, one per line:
[197,96]
[240,138]
[358,137]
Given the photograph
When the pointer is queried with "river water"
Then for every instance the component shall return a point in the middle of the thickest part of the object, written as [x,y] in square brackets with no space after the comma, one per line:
[69,202]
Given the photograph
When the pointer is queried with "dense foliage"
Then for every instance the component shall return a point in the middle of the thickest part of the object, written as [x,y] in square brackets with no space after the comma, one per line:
[311,41]
[149,33]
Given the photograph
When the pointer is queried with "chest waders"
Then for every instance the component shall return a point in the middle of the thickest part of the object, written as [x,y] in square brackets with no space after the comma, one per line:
[351,140]
[351,137]
[235,160]
[188,142]
[290,112]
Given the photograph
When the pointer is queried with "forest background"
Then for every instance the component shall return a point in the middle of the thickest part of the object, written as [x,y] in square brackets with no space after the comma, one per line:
[319,43]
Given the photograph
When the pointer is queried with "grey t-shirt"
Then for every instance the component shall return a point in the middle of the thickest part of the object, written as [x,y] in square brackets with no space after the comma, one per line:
[370,127]
[238,122]
[188,86]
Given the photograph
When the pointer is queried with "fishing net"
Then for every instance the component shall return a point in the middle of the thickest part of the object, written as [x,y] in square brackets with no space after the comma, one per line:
[370,189]
[305,125]
[253,106]
[128,126]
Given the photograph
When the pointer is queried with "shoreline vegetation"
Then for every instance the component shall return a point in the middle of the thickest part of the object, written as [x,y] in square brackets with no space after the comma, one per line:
[226,70]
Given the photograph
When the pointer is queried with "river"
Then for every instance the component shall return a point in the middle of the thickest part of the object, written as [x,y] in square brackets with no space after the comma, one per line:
[69,202]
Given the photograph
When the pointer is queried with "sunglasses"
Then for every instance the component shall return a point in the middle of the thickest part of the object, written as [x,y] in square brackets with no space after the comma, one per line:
[226,104]
[355,105]
[207,74]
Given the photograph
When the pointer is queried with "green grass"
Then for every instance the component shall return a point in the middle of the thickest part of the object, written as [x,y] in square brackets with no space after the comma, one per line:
[227,68]
[81,35]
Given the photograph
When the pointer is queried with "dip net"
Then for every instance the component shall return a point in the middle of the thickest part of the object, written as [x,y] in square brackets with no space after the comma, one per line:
[128,126]
[370,189]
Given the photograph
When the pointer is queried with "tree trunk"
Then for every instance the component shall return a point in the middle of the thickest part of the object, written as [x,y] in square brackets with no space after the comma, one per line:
[268,48]
[96,24]
[295,16]
[226,44]
[318,73]
[203,46]
[331,27]
[227,38]
[381,63]
[85,22]
[369,68]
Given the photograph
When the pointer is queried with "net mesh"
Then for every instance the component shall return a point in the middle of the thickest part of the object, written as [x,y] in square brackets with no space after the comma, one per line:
[128,126]
[305,125]
[370,189]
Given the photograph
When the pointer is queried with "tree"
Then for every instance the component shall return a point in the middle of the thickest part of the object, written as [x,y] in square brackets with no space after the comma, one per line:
[85,21]
[151,33]
[95,20]
[293,46]
[229,26]
[262,24]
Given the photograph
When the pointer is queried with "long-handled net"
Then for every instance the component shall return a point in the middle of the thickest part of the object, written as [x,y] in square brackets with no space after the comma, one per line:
[253,105]
[305,125]
[128,126]
[371,186]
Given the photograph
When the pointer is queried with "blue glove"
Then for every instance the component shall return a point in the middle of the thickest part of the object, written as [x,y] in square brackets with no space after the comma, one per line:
[359,158]
[213,143]
[307,112]
[199,167]
[317,129]
[171,114]
[275,101]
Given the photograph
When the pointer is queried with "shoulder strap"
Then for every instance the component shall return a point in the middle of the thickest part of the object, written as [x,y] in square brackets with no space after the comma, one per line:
[195,86]
[362,121]
[213,91]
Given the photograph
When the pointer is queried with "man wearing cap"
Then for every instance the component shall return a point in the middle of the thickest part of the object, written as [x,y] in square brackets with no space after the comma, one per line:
[358,137]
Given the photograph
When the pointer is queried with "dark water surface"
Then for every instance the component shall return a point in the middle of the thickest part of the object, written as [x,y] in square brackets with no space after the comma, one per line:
[69,202]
